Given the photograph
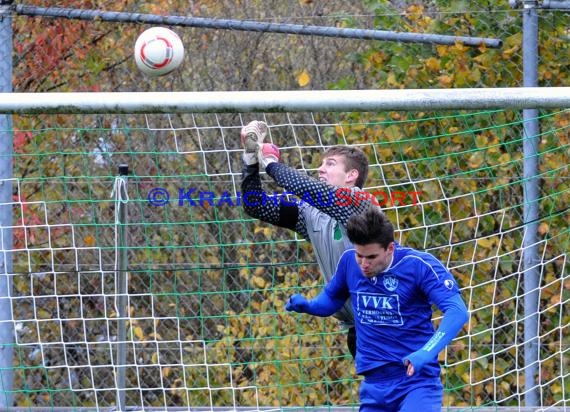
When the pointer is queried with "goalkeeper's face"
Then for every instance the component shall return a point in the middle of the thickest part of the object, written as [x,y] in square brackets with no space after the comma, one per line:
[333,171]
[373,258]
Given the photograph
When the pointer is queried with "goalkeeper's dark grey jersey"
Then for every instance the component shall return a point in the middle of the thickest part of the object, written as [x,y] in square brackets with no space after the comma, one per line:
[318,214]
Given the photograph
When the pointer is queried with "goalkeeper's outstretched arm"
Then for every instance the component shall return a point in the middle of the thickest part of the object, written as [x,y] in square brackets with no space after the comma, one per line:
[256,205]
[339,203]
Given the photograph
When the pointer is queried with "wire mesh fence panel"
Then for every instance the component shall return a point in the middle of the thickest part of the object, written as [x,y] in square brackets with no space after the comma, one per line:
[207,284]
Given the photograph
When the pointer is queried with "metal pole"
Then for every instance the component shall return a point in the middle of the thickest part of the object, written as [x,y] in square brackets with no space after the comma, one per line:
[244,25]
[556,4]
[546,4]
[6,174]
[530,212]
[122,284]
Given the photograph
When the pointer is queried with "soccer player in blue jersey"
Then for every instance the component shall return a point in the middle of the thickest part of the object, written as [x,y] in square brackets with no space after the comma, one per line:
[392,289]
[335,196]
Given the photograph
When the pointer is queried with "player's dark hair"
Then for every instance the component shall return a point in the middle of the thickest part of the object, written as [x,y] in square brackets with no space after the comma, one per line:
[354,159]
[370,226]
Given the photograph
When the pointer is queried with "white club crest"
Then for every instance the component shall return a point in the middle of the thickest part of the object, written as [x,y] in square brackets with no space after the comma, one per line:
[448,284]
[390,283]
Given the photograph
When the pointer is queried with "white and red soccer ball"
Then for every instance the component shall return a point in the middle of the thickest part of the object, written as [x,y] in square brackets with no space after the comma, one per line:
[158,51]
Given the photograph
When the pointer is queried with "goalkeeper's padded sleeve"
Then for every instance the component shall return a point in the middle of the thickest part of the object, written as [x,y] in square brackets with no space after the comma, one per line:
[322,305]
[454,317]
[250,159]
[254,205]
[337,202]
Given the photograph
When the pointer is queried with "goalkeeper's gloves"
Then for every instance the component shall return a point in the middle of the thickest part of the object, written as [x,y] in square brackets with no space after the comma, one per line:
[252,136]
[268,153]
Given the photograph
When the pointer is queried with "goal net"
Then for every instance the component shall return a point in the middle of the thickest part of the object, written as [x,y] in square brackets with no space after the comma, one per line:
[151,288]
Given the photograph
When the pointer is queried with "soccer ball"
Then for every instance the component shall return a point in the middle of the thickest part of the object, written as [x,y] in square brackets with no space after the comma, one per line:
[158,51]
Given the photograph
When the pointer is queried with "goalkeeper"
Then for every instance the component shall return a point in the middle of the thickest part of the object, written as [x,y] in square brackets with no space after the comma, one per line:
[392,289]
[321,223]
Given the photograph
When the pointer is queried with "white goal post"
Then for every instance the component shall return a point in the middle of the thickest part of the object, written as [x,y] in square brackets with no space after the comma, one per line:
[287,101]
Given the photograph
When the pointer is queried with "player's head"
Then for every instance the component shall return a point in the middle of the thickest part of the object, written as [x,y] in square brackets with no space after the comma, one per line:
[372,235]
[344,166]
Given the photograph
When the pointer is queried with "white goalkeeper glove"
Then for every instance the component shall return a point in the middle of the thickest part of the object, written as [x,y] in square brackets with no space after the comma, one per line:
[252,136]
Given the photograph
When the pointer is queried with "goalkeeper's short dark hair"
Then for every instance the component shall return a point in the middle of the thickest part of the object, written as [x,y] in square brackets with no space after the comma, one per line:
[370,226]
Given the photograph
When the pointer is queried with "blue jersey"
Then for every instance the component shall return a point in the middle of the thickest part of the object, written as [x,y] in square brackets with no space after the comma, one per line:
[393,310]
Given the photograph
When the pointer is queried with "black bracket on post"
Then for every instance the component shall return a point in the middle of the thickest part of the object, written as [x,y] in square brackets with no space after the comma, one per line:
[123,170]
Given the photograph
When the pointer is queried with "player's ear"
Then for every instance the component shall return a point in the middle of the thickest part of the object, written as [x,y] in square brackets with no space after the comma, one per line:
[352,176]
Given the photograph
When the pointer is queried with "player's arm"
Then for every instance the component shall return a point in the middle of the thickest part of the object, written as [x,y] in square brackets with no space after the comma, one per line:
[322,305]
[262,207]
[254,201]
[455,315]
[331,298]
[441,288]
[339,203]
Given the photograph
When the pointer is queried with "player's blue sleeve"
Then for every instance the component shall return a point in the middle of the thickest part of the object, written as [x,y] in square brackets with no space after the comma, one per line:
[332,297]
[454,317]
[322,305]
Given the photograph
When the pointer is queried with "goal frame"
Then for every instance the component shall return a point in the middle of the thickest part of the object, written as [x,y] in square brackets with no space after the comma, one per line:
[286,101]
